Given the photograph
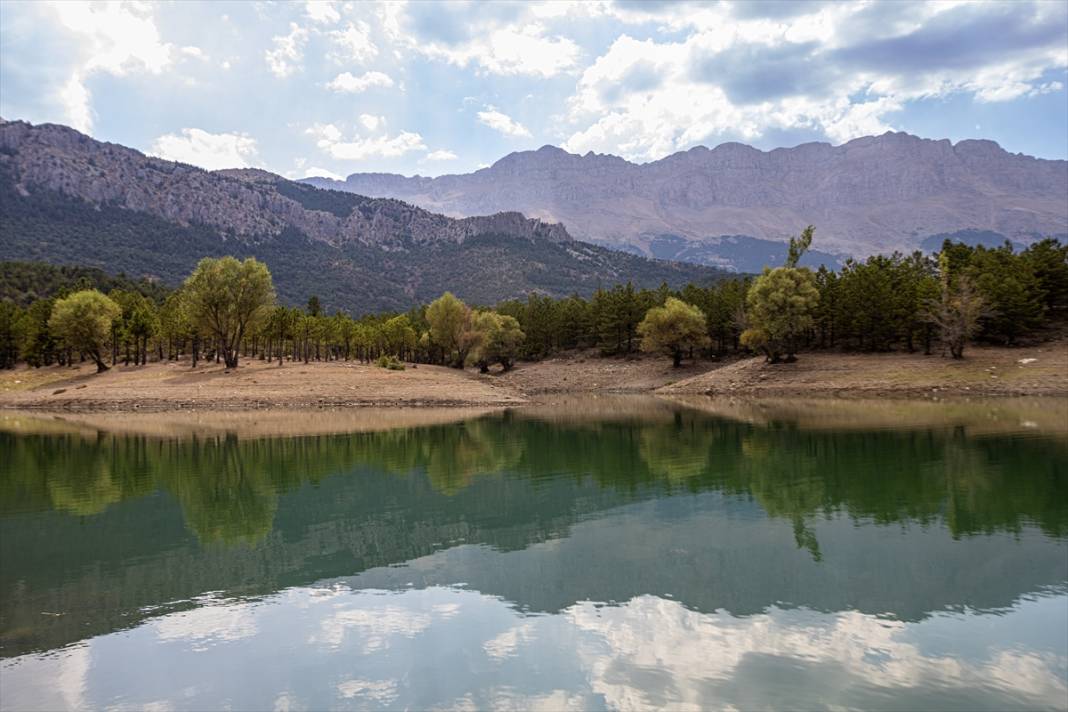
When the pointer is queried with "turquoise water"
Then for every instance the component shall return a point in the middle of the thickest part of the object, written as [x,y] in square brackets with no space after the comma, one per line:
[655,556]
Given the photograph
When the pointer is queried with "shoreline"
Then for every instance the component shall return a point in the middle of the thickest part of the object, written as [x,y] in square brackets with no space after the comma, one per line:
[987,372]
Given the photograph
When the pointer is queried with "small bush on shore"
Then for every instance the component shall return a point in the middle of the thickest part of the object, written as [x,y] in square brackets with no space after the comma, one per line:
[390,362]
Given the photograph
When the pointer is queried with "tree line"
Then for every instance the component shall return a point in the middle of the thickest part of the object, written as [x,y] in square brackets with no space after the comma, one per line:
[226,309]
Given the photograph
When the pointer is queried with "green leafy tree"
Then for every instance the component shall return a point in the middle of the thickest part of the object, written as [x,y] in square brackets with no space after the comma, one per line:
[83,322]
[228,298]
[499,340]
[10,317]
[37,343]
[780,308]
[674,329]
[450,327]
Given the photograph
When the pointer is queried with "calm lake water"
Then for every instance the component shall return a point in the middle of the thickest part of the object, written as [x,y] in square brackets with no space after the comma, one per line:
[619,556]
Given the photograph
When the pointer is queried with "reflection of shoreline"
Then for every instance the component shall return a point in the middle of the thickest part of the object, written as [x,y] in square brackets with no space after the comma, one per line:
[277,422]
[1045,415]
[1040,415]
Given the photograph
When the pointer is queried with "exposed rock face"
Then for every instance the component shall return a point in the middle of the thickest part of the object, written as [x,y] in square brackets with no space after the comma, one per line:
[873,194]
[245,204]
[67,199]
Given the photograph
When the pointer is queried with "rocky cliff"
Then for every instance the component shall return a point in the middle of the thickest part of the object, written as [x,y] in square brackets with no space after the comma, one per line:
[873,194]
[68,199]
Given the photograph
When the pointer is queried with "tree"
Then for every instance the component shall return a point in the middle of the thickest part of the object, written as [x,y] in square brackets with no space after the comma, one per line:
[1008,286]
[674,328]
[499,339]
[780,307]
[1049,262]
[798,246]
[228,297]
[449,319]
[399,336]
[10,317]
[83,322]
[956,313]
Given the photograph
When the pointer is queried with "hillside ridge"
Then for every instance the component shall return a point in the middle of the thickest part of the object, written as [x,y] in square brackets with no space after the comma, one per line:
[870,195]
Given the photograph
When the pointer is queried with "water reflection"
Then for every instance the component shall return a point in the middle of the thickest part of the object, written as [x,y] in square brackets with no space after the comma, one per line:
[677,557]
[453,648]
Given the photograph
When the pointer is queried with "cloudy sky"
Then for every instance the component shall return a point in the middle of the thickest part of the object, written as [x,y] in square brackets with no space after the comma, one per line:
[338,87]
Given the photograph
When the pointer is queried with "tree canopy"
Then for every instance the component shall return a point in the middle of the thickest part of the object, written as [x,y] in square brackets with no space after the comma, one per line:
[83,322]
[675,328]
[227,297]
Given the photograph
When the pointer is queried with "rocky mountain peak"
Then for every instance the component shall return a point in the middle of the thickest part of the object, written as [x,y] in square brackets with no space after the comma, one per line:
[871,194]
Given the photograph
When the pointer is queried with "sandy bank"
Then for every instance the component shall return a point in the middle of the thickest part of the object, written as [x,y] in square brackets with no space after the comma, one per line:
[254,385]
[986,371]
[1030,371]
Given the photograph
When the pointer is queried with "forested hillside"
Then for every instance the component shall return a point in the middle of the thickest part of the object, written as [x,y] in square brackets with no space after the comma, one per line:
[67,199]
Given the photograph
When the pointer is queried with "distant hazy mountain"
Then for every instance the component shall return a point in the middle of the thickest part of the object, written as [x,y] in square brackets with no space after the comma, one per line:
[66,198]
[873,194]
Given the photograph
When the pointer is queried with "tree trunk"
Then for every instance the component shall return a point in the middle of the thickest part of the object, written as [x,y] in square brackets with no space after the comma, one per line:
[100,365]
[676,358]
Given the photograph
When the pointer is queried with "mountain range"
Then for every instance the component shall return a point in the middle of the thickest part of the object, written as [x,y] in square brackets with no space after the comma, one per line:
[735,206]
[66,198]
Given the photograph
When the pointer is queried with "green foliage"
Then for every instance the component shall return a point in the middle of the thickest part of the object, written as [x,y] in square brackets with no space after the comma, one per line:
[674,329]
[798,246]
[228,298]
[335,202]
[498,340]
[10,317]
[1048,260]
[389,362]
[449,321]
[780,308]
[25,282]
[83,322]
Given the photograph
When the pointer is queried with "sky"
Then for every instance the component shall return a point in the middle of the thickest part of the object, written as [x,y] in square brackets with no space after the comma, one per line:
[333,88]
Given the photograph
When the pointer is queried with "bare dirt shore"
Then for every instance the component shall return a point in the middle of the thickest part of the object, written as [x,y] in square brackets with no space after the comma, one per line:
[253,385]
[1035,370]
[985,371]
[589,372]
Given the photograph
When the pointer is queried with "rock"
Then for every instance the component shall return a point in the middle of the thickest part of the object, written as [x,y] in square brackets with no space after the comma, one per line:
[872,194]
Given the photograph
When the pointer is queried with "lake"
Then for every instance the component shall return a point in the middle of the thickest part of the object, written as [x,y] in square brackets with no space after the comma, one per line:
[597,554]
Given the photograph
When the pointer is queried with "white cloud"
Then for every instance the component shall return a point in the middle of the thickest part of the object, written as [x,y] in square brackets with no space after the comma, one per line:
[111,38]
[324,132]
[840,69]
[75,99]
[441,155]
[330,140]
[324,11]
[348,83]
[207,150]
[509,50]
[288,53]
[353,44]
[502,122]
[372,122]
[194,52]
[315,172]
